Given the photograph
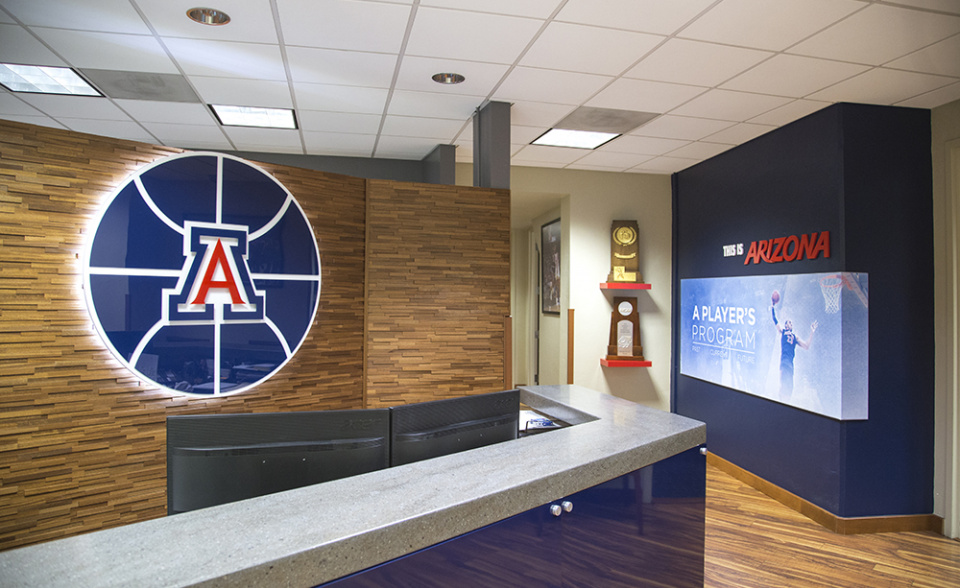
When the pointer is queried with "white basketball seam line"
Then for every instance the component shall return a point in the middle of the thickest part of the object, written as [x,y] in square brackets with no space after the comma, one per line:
[153,206]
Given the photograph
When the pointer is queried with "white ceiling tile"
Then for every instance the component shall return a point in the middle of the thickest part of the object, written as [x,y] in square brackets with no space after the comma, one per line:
[74,106]
[17,45]
[537,114]
[517,161]
[579,165]
[941,5]
[588,49]
[789,112]
[43,121]
[531,8]
[339,122]
[404,147]
[426,104]
[879,34]
[167,112]
[237,92]
[665,165]
[767,25]
[119,129]
[941,58]
[933,99]
[682,127]
[11,105]
[696,63]
[227,59]
[441,129]
[700,150]
[651,16]
[87,49]
[521,134]
[251,21]
[252,139]
[6,19]
[794,76]
[481,78]
[340,98]
[644,96]
[882,86]
[348,68]
[344,24]
[728,105]
[342,144]
[266,148]
[116,16]
[644,145]
[543,85]
[210,136]
[544,154]
[740,133]
[611,159]
[471,36]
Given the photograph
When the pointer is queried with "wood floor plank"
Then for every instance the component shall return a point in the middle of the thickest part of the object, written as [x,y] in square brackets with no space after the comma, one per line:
[753,540]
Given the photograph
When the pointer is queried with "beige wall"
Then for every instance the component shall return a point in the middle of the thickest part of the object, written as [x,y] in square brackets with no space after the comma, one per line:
[945,130]
[588,202]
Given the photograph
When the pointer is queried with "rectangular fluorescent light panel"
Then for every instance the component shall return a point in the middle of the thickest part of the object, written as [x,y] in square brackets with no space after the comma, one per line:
[575,139]
[251,116]
[40,79]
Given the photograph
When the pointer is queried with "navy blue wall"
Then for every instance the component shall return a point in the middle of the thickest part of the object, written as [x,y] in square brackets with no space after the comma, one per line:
[862,173]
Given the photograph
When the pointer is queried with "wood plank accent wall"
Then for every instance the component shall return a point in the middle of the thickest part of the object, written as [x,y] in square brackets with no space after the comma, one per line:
[82,441]
[438,289]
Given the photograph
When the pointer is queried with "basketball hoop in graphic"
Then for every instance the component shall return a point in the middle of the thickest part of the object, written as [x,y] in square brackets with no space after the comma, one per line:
[831,286]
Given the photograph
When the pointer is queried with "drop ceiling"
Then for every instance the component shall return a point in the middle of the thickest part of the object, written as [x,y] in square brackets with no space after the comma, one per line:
[358,72]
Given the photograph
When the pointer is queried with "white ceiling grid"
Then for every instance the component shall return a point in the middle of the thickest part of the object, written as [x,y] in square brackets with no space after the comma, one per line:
[720,72]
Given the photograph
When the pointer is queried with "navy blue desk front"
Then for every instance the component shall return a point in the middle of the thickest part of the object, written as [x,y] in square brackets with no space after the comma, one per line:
[645,528]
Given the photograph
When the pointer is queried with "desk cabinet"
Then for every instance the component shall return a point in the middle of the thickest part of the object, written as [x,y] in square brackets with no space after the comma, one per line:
[642,529]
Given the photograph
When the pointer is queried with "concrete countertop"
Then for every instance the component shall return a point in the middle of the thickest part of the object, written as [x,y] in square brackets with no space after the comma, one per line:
[311,535]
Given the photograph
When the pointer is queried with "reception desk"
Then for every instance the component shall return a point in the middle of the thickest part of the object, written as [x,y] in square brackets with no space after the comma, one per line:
[432,509]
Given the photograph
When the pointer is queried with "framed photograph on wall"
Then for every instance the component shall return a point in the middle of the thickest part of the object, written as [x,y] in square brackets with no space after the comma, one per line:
[550,267]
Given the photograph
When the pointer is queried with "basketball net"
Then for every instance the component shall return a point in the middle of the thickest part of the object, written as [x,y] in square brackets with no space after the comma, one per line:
[830,286]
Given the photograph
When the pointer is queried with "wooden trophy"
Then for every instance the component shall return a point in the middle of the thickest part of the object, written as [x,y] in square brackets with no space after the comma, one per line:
[625,331]
[624,253]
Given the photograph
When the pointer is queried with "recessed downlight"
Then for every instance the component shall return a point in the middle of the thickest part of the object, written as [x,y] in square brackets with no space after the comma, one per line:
[208,16]
[448,78]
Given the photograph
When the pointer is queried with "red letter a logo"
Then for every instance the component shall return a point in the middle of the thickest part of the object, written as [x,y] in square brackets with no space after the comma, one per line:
[218,259]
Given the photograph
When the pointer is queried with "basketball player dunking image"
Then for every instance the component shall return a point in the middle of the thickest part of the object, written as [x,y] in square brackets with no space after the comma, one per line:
[788,347]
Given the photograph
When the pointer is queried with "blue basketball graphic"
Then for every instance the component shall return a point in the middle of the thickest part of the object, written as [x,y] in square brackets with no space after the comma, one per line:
[203,274]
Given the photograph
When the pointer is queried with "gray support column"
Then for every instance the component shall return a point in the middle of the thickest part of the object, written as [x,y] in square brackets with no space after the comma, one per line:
[491,146]
[440,165]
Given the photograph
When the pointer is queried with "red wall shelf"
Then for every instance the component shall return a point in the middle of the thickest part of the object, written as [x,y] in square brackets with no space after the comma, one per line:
[624,286]
[624,363]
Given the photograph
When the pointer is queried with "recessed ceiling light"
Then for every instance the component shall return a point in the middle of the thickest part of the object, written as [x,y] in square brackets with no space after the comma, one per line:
[40,79]
[252,116]
[575,139]
[448,78]
[208,16]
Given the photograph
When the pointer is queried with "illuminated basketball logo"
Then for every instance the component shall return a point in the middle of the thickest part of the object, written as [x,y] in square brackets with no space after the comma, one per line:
[203,274]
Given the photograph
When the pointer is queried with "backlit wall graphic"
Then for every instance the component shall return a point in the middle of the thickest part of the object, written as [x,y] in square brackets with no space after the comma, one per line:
[797,339]
[203,274]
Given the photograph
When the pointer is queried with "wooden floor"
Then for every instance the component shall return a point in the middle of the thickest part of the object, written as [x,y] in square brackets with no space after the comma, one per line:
[752,540]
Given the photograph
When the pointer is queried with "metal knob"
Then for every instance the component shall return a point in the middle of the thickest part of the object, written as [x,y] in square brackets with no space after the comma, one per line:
[567,506]
[555,510]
